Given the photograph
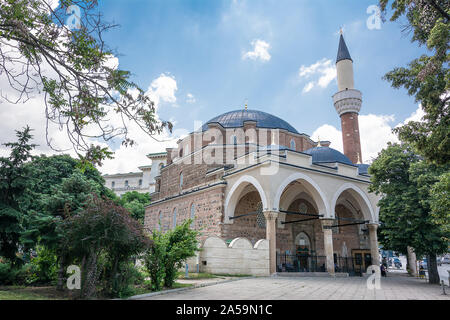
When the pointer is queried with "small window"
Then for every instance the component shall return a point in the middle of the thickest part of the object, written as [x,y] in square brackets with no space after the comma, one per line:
[113,184]
[233,140]
[174,218]
[293,144]
[126,183]
[140,182]
[181,180]
[192,215]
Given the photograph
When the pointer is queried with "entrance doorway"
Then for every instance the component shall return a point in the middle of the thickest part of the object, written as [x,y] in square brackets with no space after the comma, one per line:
[303,251]
[362,259]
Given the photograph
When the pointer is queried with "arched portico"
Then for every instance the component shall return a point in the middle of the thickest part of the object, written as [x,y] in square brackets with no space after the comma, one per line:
[309,186]
[236,193]
[360,197]
[357,201]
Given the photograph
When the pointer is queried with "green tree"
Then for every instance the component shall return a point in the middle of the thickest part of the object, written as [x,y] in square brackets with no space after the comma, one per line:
[71,64]
[440,202]
[154,260]
[168,252]
[101,228]
[404,182]
[427,78]
[135,202]
[13,182]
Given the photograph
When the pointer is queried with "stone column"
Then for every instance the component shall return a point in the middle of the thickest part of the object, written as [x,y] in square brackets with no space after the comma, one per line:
[374,243]
[271,235]
[412,260]
[328,244]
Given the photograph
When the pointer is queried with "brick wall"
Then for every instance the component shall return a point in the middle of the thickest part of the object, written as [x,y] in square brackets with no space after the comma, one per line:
[350,136]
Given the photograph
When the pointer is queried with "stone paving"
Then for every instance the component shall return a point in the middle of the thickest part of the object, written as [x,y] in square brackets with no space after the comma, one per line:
[394,287]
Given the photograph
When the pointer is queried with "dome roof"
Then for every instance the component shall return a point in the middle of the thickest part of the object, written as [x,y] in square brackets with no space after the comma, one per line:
[235,119]
[327,155]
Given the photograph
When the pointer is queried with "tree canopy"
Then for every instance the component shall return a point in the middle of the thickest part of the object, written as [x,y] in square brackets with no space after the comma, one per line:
[73,66]
[427,77]
[406,184]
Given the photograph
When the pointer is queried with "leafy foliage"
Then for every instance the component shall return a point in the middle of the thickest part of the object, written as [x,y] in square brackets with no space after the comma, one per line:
[13,181]
[135,202]
[73,67]
[168,252]
[102,227]
[427,77]
[404,182]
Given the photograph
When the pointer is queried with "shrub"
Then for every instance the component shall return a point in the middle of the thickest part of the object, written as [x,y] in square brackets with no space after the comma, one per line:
[168,252]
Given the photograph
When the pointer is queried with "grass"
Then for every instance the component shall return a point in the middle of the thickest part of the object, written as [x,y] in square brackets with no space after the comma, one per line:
[196,276]
[32,293]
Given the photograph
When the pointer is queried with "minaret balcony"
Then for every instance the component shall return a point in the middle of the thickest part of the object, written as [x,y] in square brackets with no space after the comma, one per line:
[349,100]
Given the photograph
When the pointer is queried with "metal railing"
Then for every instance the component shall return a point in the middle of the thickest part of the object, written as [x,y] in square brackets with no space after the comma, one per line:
[309,263]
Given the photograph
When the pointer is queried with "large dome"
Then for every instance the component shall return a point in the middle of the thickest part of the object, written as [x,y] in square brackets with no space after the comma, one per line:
[327,155]
[235,119]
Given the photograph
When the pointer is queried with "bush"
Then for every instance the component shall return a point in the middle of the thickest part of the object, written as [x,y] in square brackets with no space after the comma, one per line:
[14,276]
[168,252]
[43,268]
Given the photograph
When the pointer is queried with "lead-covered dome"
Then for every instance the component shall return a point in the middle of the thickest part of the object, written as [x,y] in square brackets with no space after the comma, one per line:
[327,155]
[235,119]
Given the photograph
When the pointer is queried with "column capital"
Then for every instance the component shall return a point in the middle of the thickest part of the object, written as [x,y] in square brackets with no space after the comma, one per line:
[271,215]
[373,226]
[327,222]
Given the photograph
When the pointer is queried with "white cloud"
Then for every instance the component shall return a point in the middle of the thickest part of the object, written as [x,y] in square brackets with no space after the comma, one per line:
[190,98]
[323,72]
[163,89]
[260,51]
[375,133]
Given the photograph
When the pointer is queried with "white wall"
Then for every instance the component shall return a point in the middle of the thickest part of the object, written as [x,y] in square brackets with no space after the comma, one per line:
[240,257]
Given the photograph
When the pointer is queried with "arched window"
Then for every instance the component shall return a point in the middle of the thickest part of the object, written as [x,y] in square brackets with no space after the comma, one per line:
[174,218]
[233,139]
[192,215]
[140,182]
[181,179]
[113,184]
[159,220]
[293,144]
[126,183]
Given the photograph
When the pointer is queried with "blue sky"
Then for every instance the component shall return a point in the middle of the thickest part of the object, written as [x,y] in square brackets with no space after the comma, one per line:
[200,58]
[200,43]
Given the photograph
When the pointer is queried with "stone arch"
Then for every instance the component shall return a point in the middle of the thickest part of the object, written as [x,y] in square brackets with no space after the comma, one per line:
[312,189]
[360,197]
[235,194]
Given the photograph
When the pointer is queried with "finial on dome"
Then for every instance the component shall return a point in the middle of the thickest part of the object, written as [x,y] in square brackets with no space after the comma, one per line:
[359,159]
[318,143]
[341,31]
[246,104]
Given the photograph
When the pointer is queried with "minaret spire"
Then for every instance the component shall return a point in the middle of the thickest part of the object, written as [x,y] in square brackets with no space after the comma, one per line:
[347,102]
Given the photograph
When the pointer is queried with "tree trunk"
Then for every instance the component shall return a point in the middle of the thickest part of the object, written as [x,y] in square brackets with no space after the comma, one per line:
[433,273]
[89,285]
[61,277]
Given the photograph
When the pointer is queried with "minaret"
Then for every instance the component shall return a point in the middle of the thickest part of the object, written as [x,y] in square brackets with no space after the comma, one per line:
[348,102]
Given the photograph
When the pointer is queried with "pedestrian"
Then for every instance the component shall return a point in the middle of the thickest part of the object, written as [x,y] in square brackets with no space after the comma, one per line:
[383,271]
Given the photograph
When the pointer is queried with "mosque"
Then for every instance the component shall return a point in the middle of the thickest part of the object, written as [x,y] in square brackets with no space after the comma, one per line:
[247,174]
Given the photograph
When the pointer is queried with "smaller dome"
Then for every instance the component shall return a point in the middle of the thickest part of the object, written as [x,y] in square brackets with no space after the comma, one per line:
[327,155]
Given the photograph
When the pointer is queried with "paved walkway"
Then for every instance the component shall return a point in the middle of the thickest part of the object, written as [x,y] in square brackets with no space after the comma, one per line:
[394,287]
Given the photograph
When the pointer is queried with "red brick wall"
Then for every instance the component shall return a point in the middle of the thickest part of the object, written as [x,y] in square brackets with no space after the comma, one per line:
[208,212]
[350,136]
